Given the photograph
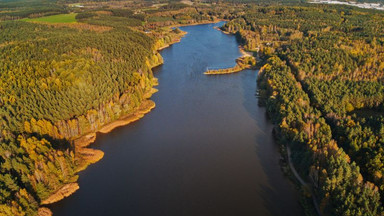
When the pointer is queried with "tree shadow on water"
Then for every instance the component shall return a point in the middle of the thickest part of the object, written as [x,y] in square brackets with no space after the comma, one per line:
[279,193]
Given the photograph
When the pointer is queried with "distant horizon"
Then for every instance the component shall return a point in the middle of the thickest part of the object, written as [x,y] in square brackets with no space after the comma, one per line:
[365,5]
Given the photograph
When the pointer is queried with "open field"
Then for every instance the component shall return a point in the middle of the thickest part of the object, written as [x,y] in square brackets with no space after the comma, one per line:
[60,18]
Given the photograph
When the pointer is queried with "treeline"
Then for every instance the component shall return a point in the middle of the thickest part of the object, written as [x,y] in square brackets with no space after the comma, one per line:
[337,182]
[57,83]
[334,57]
[17,9]
[60,73]
[173,14]
[32,169]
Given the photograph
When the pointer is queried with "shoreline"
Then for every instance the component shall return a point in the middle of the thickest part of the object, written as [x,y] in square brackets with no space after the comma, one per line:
[88,156]
[297,180]
[182,34]
[240,64]
[224,32]
[63,192]
[239,61]
[195,24]
[145,108]
[87,139]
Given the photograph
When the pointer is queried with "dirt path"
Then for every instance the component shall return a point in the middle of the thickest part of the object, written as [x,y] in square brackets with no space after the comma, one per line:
[302,182]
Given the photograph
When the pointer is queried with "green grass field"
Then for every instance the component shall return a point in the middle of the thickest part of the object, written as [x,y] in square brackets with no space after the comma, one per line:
[60,18]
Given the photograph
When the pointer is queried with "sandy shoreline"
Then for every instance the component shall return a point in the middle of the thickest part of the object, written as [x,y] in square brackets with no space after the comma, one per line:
[145,108]
[63,192]
[87,156]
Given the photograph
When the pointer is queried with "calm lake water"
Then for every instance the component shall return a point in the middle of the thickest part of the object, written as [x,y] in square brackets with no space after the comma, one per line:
[205,150]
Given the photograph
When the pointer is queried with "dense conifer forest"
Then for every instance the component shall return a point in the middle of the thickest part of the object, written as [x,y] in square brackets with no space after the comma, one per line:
[63,77]
[322,85]
[60,81]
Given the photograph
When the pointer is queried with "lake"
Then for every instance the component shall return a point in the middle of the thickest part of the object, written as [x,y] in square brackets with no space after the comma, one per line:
[205,150]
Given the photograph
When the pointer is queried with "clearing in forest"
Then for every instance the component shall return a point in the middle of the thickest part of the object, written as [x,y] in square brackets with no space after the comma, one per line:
[60,18]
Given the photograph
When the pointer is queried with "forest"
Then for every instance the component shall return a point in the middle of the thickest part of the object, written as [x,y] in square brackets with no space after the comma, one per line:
[66,71]
[60,81]
[322,84]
